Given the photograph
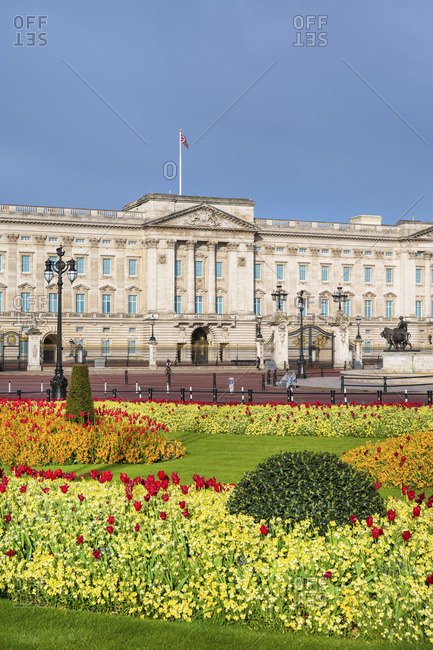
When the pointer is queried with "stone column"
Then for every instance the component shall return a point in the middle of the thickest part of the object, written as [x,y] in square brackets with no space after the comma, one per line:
[169,276]
[260,350]
[211,278]
[39,266]
[34,349]
[233,275]
[67,286]
[94,301]
[14,297]
[190,278]
[249,280]
[152,275]
[358,354]
[119,275]
[152,355]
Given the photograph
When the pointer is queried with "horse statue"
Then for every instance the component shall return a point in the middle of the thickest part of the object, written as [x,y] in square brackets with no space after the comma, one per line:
[397,338]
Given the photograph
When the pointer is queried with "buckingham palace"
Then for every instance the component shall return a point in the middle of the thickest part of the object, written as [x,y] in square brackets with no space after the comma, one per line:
[199,276]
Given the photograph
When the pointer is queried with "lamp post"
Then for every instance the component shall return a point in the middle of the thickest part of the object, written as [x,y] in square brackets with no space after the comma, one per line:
[59,381]
[358,322]
[300,303]
[339,296]
[279,296]
[259,328]
[152,324]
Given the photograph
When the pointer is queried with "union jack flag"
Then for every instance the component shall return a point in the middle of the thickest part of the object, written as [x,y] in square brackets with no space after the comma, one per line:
[183,140]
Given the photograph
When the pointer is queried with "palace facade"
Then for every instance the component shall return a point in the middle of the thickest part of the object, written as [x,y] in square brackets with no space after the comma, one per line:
[205,268]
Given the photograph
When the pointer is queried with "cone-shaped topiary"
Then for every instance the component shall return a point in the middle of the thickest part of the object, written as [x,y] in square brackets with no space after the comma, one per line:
[306,485]
[80,399]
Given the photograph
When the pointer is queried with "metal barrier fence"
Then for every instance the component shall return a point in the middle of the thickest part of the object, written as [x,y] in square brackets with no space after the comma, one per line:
[223,396]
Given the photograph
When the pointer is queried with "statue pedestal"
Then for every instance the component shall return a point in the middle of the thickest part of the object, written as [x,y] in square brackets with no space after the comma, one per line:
[407,362]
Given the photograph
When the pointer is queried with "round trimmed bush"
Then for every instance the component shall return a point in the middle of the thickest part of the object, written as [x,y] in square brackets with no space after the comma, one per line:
[306,485]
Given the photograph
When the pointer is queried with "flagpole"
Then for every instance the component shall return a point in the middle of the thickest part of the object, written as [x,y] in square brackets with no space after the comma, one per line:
[180,162]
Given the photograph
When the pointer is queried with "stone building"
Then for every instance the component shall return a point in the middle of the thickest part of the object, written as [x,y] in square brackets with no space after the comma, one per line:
[205,268]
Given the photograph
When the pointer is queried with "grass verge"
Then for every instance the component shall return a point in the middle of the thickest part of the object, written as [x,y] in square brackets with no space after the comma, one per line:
[49,628]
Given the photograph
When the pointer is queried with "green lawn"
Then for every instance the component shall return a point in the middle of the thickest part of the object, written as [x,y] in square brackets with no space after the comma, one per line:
[49,629]
[227,457]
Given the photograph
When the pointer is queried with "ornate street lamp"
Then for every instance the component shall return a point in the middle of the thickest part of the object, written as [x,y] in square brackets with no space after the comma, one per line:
[259,330]
[339,296]
[59,382]
[358,322]
[152,323]
[300,304]
[279,296]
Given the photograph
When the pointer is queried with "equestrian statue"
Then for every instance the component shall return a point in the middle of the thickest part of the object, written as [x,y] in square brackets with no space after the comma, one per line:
[397,338]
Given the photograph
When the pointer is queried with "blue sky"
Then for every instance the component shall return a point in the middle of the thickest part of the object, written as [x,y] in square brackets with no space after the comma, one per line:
[310,140]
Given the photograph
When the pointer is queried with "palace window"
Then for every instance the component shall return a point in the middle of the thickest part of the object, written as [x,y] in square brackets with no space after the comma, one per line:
[198,269]
[367,274]
[25,302]
[132,267]
[258,306]
[418,308]
[131,347]
[257,271]
[218,305]
[106,266]
[198,305]
[367,347]
[132,304]
[346,274]
[418,276]
[79,303]
[388,276]
[106,303]
[80,265]
[105,346]
[368,308]
[346,307]
[1,301]
[389,309]
[325,306]
[218,270]
[302,272]
[52,303]
[178,268]
[325,270]
[178,304]
[25,263]
[280,271]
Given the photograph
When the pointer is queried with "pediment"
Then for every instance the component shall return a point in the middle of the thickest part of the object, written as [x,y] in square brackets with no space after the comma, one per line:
[201,217]
[81,287]
[389,295]
[132,287]
[369,294]
[107,287]
[424,233]
[26,285]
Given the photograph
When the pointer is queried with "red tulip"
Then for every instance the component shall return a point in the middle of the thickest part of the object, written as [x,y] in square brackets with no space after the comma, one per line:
[264,530]
[138,505]
[80,539]
[406,535]
[163,516]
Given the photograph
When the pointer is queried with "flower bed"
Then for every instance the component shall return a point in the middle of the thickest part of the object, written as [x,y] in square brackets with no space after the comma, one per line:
[39,433]
[282,419]
[154,548]
[405,459]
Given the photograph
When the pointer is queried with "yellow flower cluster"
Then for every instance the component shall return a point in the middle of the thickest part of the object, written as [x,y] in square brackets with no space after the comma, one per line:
[326,420]
[407,459]
[39,433]
[182,556]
